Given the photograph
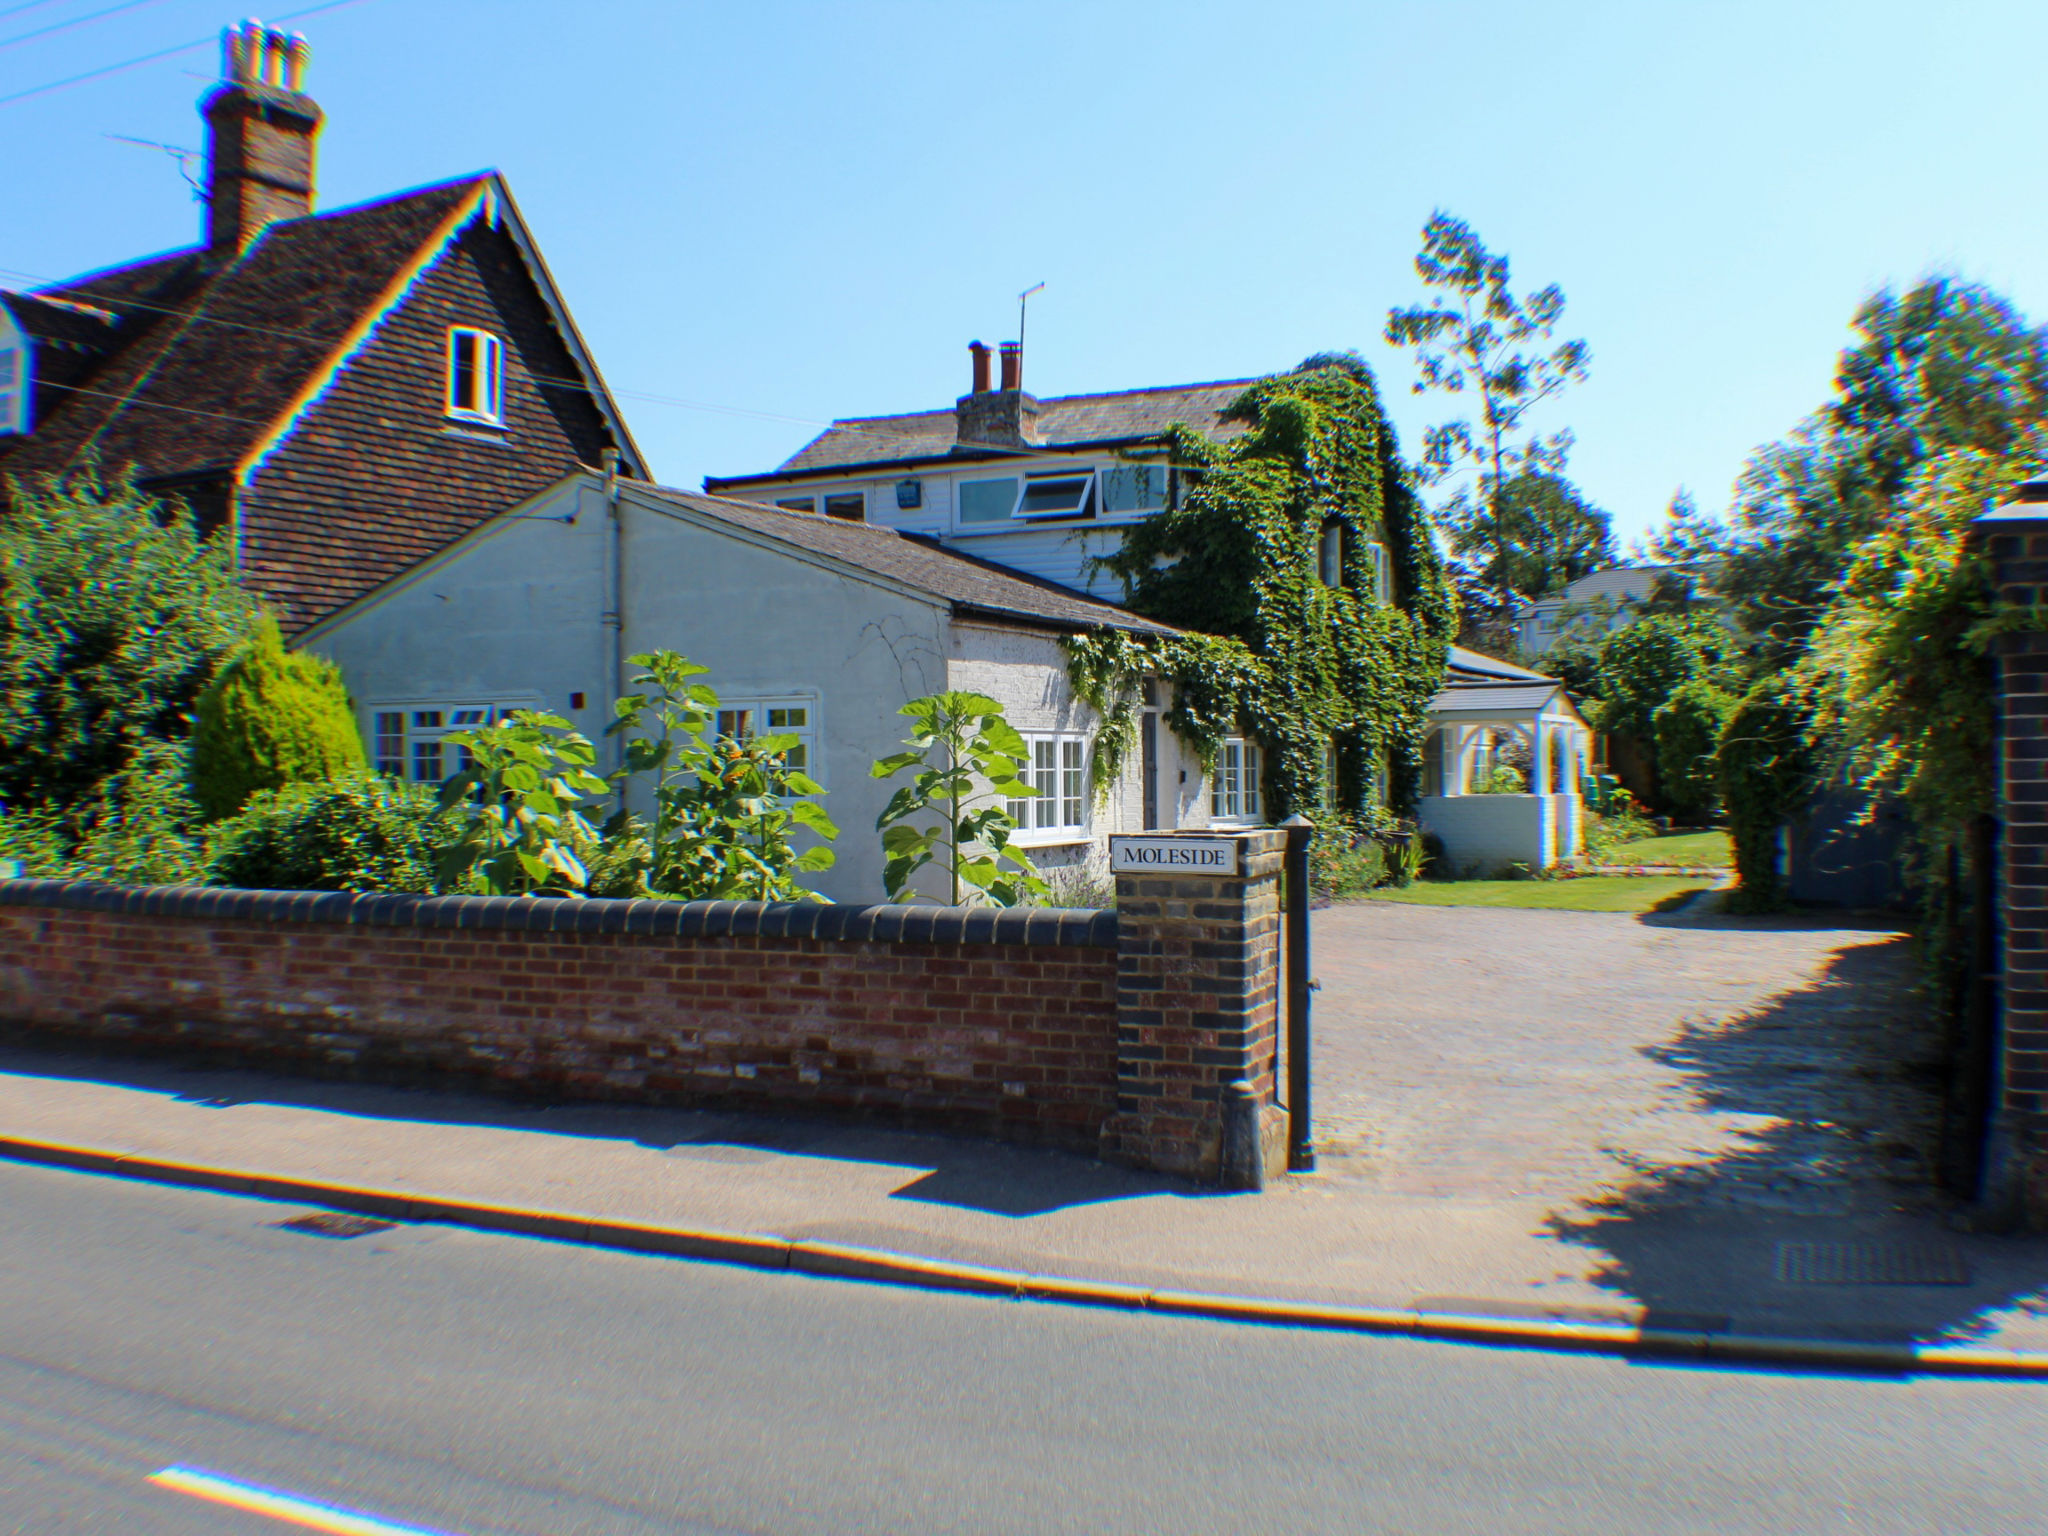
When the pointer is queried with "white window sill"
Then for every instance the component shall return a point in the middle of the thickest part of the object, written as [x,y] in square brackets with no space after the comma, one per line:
[1049,839]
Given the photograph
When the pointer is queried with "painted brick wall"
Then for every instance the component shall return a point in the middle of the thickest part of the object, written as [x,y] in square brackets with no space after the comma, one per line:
[1002,1023]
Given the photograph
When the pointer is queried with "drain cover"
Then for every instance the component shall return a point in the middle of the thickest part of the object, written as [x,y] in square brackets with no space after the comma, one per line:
[1870,1264]
[336,1224]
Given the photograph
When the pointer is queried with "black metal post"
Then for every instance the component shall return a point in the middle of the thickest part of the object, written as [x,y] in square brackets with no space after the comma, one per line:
[1301,1146]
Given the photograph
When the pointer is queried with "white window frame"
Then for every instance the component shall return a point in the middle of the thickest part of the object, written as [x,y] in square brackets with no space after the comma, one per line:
[17,381]
[1056,765]
[406,734]
[1382,574]
[1330,555]
[1080,509]
[488,377]
[1148,467]
[762,709]
[1235,800]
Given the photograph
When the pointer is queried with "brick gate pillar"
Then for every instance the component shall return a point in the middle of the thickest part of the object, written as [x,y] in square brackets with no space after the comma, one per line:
[2016,1160]
[1198,989]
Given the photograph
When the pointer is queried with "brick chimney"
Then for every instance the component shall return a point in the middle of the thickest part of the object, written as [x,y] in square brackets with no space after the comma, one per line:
[261,133]
[996,418]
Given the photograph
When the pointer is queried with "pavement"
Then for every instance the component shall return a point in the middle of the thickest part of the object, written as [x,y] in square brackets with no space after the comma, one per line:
[1704,1126]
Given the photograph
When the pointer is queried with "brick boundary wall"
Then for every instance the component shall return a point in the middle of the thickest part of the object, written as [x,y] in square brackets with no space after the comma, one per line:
[997,1022]
[2016,1165]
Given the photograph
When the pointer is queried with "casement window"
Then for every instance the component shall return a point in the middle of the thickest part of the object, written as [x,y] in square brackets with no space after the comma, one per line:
[1234,786]
[1055,494]
[1330,555]
[798,503]
[1135,488]
[408,742]
[1069,494]
[744,719]
[1330,773]
[848,506]
[14,379]
[1382,574]
[1057,767]
[476,366]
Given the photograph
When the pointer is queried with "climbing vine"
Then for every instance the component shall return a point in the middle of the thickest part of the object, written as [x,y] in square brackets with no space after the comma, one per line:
[1274,652]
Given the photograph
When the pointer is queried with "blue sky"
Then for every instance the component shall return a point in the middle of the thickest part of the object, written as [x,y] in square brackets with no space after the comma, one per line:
[771,214]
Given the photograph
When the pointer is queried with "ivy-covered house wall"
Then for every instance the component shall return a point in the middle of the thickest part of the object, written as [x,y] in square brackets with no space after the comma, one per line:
[1275,554]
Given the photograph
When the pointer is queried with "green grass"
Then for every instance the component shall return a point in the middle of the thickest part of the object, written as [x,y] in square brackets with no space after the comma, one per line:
[1689,850]
[1593,893]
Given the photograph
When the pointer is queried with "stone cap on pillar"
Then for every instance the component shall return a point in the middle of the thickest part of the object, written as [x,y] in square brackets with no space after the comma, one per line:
[2028,505]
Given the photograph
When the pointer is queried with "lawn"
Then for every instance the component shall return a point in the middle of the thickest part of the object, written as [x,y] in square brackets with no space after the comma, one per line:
[1593,893]
[1686,850]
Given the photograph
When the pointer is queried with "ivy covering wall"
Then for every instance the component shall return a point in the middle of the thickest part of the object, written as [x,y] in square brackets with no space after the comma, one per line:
[1276,654]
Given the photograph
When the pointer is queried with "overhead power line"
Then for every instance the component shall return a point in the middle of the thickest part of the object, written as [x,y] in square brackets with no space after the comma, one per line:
[75,21]
[151,58]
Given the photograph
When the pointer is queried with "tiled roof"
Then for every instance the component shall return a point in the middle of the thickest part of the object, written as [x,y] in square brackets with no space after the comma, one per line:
[1475,666]
[1495,698]
[1064,421]
[210,358]
[971,586]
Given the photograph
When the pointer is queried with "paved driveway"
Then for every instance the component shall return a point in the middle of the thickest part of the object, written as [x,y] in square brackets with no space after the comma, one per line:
[1588,1058]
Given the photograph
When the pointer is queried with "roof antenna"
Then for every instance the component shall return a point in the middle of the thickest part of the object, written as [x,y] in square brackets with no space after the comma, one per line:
[1023,299]
[186,158]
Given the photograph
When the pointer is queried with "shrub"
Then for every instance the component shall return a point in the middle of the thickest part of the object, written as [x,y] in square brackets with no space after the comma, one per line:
[1763,775]
[139,827]
[271,718]
[113,616]
[1688,728]
[1345,860]
[360,833]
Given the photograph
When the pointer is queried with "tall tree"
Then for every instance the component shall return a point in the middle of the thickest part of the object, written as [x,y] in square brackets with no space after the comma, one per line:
[1511,511]
[1945,366]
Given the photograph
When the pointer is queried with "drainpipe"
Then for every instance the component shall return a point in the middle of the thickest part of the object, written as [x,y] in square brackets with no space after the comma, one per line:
[615,614]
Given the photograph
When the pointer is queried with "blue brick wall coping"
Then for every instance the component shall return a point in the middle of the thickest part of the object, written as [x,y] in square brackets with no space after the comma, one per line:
[1071,927]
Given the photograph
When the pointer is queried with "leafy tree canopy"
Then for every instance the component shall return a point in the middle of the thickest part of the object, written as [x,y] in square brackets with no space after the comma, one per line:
[1946,365]
[114,614]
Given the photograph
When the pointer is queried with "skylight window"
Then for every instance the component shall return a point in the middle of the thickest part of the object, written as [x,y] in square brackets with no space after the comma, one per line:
[475,376]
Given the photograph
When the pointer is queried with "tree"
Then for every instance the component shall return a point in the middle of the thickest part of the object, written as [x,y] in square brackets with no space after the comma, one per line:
[1762,767]
[1645,662]
[966,756]
[271,718]
[1476,337]
[1946,365]
[1536,537]
[114,614]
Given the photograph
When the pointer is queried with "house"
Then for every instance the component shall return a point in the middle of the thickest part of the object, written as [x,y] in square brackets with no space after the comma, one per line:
[811,625]
[343,392]
[1492,715]
[1590,607]
[1040,486]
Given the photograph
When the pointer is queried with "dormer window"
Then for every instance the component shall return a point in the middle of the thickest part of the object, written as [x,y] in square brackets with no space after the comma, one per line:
[14,376]
[476,366]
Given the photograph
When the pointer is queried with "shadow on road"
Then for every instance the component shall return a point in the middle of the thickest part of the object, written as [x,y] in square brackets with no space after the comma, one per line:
[1815,1209]
[998,1178]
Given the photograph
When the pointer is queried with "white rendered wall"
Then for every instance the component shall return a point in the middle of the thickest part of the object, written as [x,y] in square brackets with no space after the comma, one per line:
[1489,831]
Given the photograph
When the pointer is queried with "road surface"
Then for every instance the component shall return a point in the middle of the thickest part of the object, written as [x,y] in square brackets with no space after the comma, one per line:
[441,1380]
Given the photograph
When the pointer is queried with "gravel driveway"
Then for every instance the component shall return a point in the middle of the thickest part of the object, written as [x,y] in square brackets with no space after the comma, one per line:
[1591,1059]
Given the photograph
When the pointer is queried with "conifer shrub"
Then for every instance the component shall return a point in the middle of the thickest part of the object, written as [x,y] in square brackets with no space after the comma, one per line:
[271,718]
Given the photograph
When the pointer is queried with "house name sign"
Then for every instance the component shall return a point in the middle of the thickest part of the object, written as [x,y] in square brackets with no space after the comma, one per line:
[1175,856]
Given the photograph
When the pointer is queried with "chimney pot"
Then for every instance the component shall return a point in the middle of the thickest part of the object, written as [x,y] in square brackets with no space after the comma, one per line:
[261,137]
[979,353]
[1013,365]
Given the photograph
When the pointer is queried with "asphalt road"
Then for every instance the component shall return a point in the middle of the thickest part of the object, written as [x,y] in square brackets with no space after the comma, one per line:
[459,1382]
